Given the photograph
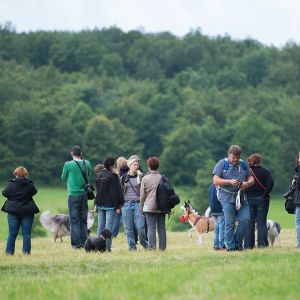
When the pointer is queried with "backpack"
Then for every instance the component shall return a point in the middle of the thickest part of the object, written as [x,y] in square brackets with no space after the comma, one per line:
[166,199]
[226,165]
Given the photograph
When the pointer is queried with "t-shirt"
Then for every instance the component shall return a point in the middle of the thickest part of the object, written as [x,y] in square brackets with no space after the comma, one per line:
[227,193]
[75,180]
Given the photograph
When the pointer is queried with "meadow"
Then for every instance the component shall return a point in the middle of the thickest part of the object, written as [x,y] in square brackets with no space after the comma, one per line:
[184,270]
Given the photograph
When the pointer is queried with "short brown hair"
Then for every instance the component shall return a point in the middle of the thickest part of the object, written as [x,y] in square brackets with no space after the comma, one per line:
[235,150]
[153,163]
[254,159]
[21,172]
[98,168]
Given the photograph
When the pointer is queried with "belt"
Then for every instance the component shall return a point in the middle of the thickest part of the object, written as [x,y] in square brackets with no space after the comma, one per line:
[132,201]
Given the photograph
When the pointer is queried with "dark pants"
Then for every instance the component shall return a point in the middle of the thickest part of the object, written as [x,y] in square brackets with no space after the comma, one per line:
[14,224]
[153,220]
[257,207]
[78,210]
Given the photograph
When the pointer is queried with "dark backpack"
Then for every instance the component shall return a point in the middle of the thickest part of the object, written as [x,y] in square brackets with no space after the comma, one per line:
[166,199]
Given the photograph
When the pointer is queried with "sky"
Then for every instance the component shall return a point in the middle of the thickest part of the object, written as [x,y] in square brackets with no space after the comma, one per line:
[271,22]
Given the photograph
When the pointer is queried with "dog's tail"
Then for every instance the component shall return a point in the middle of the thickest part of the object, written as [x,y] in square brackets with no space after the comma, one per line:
[278,227]
[207,212]
[47,221]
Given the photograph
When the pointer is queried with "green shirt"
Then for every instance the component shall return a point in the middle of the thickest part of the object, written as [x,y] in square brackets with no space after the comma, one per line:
[75,180]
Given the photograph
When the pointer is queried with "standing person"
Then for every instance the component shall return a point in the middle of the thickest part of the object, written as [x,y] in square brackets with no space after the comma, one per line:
[77,196]
[216,211]
[154,217]
[21,209]
[258,197]
[232,174]
[109,198]
[296,187]
[132,217]
[120,170]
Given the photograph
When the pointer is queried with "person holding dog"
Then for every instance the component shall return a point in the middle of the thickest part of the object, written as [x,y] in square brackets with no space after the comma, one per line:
[258,196]
[132,217]
[232,174]
[109,198]
[20,208]
[77,196]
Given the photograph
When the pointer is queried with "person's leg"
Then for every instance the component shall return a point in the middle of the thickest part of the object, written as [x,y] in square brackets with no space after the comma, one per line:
[261,223]
[229,214]
[161,230]
[74,203]
[110,217]
[26,225]
[116,226]
[13,229]
[128,221]
[83,218]
[101,220]
[298,225]
[243,216]
[139,222]
[266,211]
[216,234]
[151,223]
[221,223]
[249,241]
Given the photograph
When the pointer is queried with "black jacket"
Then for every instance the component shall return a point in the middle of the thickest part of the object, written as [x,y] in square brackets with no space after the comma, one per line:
[19,201]
[265,178]
[296,186]
[109,191]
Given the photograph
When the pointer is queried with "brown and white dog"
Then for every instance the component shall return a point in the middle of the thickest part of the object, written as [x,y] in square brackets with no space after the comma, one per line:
[199,223]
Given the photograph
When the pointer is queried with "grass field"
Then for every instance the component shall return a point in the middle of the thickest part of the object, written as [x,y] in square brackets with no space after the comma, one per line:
[184,271]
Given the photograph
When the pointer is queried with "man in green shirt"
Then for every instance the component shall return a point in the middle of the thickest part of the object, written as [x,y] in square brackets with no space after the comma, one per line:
[77,196]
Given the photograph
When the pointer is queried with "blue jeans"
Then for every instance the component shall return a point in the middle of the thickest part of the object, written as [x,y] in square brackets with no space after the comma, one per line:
[132,217]
[298,225]
[106,221]
[219,231]
[257,207]
[116,226]
[78,211]
[234,235]
[14,224]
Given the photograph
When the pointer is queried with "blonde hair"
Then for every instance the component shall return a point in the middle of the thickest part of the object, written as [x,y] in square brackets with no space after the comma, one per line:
[21,172]
[121,162]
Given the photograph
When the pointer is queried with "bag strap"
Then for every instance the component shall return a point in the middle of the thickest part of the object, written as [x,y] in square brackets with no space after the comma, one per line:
[256,179]
[83,174]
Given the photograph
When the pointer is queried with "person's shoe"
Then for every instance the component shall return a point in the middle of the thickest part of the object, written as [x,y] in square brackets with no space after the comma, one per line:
[223,248]
[239,248]
[229,250]
[216,248]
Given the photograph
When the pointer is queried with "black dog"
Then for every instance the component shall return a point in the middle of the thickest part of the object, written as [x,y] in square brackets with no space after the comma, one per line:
[97,243]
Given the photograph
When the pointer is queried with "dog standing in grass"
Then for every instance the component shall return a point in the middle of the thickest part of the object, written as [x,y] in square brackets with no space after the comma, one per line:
[59,224]
[274,229]
[94,244]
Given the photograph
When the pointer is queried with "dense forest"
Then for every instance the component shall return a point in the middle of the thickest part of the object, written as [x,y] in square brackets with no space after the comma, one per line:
[184,100]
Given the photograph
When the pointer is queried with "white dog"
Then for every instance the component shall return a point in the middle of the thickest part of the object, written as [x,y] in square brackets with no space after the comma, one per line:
[273,232]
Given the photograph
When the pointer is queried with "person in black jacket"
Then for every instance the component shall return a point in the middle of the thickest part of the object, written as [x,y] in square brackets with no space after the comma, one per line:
[20,208]
[258,198]
[109,198]
[296,187]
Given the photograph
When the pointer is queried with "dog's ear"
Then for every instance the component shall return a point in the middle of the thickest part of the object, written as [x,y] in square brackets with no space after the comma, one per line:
[189,202]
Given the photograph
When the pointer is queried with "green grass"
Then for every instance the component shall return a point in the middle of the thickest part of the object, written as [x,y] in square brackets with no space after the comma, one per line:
[184,271]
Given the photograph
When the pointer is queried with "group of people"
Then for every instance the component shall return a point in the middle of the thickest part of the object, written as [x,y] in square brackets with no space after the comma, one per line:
[129,191]
[125,190]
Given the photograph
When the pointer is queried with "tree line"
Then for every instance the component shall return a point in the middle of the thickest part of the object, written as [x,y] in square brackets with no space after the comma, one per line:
[184,100]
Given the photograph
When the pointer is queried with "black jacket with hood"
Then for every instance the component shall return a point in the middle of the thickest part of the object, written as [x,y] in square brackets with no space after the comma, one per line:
[19,192]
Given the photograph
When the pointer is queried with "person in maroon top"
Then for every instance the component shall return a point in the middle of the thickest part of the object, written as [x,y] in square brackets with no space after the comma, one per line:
[258,198]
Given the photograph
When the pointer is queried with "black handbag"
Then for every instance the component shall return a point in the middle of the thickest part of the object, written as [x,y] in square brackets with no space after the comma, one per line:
[88,187]
[289,204]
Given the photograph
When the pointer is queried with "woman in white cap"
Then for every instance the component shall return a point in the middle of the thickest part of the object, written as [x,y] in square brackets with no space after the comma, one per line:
[132,216]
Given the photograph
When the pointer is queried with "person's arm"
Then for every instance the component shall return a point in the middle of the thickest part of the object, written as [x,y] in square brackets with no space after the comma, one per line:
[33,189]
[7,191]
[220,181]
[269,185]
[246,184]
[142,193]
[64,173]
